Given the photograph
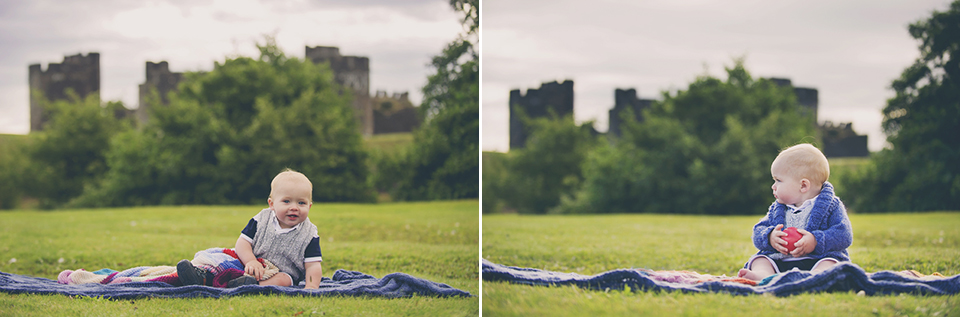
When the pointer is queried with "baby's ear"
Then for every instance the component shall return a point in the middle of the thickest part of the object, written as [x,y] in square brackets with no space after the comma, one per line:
[270,202]
[805,185]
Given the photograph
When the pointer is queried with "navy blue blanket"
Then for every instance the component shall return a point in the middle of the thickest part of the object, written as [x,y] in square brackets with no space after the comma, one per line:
[347,283]
[844,277]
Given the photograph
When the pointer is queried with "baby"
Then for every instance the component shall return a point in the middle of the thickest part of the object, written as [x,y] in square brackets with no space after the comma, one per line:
[805,200]
[281,234]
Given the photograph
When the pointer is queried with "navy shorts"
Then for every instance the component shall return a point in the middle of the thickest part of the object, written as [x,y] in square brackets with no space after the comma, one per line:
[781,266]
[803,265]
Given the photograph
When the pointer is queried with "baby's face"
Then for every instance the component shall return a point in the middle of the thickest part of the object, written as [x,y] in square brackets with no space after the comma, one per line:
[786,186]
[291,202]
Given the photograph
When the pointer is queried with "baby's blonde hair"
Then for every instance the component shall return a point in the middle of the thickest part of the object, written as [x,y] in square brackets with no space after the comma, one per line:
[290,175]
[805,161]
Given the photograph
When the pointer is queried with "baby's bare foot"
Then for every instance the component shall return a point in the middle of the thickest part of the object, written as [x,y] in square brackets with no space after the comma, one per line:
[748,274]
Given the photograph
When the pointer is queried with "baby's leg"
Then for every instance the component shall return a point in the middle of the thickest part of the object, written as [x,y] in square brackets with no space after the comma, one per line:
[760,268]
[823,265]
[279,279]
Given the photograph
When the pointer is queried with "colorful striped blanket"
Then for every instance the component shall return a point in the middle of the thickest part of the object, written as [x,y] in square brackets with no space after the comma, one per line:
[162,281]
[224,263]
[844,277]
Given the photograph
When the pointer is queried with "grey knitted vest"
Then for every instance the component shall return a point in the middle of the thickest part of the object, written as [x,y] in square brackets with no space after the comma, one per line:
[284,250]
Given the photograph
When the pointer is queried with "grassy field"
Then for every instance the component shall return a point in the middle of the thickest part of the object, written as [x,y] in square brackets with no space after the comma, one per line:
[927,242]
[437,241]
[388,143]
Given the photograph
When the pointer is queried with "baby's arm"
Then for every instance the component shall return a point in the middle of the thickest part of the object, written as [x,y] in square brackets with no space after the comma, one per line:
[765,232]
[250,264]
[805,245]
[838,235]
[776,239]
[314,274]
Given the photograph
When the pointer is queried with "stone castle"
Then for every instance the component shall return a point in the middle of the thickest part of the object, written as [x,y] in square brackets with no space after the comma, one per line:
[78,72]
[838,140]
[553,97]
[382,114]
[393,113]
[626,99]
[159,77]
[351,72]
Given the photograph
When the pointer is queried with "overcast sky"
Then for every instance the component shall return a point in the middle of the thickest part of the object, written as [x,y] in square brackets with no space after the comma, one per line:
[848,50]
[399,37]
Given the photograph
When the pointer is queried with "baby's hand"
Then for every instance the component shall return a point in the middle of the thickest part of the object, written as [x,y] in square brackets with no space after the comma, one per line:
[776,239]
[254,268]
[805,245]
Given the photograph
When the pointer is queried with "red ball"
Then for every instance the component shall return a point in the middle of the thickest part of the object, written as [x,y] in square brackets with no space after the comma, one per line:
[792,237]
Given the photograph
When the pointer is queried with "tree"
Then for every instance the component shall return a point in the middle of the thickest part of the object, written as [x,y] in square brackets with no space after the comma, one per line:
[443,161]
[920,171]
[228,132]
[13,164]
[69,154]
[548,169]
[703,150]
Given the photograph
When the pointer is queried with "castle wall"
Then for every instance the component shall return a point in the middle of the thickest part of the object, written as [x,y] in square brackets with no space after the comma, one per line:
[839,140]
[352,72]
[808,98]
[160,78]
[394,113]
[846,147]
[537,103]
[77,72]
[626,99]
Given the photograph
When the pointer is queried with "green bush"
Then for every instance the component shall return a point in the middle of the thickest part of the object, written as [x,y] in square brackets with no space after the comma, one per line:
[228,132]
[443,161]
[536,178]
[494,172]
[69,154]
[705,150]
[13,163]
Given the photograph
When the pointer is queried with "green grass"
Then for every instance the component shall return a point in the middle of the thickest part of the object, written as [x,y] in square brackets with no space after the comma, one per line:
[926,242]
[389,142]
[437,241]
[10,142]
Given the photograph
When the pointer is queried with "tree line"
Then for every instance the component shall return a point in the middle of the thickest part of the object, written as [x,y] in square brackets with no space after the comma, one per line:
[707,149]
[225,133]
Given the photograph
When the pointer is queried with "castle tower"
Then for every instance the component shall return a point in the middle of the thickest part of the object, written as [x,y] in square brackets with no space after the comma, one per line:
[537,103]
[624,99]
[352,72]
[393,113]
[808,98]
[838,140]
[78,72]
[160,78]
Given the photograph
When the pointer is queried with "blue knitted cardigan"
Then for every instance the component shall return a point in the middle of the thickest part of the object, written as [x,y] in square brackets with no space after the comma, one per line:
[828,223]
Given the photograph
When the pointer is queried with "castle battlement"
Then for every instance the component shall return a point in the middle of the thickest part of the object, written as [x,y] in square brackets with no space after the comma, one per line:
[808,98]
[352,72]
[624,99]
[80,73]
[536,103]
[160,78]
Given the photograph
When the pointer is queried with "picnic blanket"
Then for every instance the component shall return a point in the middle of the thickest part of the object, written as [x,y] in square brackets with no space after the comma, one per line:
[223,263]
[162,281]
[843,277]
